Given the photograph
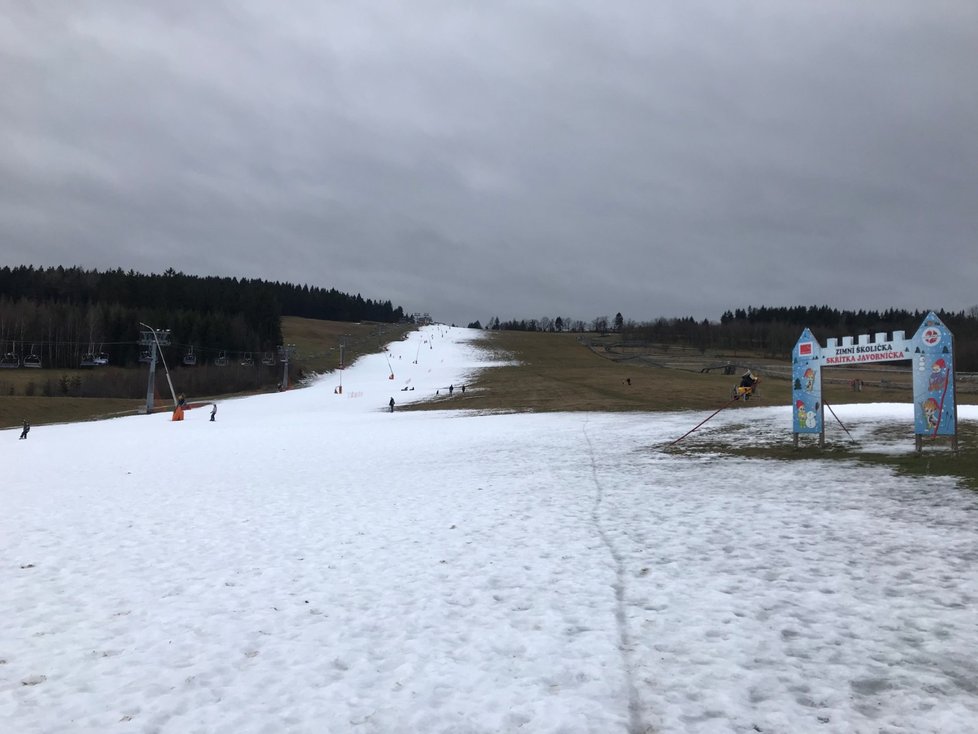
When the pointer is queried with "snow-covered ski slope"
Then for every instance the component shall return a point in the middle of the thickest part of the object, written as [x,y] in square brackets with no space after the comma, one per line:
[312,563]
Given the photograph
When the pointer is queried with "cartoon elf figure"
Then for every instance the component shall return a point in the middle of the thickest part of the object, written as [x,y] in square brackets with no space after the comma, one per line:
[809,379]
[931,411]
[800,406]
[938,376]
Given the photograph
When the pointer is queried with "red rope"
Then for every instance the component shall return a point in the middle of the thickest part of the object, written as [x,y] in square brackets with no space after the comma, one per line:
[726,405]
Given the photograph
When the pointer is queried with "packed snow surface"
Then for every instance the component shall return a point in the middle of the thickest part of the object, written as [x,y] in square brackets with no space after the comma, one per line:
[312,562]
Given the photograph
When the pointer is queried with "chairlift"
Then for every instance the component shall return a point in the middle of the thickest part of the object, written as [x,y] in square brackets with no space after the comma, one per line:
[269,359]
[190,359]
[101,359]
[145,356]
[10,360]
[247,360]
[221,360]
[88,360]
[33,359]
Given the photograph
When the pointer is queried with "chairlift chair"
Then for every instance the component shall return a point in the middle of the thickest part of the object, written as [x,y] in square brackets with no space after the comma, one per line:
[247,360]
[88,360]
[269,359]
[33,359]
[10,360]
[101,359]
[222,359]
[190,359]
[146,356]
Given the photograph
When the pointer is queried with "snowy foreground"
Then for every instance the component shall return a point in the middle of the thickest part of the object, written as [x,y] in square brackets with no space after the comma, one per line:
[312,563]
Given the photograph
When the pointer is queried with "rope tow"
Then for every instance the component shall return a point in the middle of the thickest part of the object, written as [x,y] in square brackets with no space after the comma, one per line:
[725,405]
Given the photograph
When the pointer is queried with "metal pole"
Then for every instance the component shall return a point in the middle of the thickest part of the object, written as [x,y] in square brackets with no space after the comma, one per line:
[289,351]
[166,369]
[839,422]
[151,382]
[285,353]
[169,382]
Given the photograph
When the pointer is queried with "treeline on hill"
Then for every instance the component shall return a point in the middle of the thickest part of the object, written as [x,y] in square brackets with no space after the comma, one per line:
[60,316]
[772,331]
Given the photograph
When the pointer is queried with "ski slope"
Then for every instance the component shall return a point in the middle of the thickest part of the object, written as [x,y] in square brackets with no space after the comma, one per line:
[310,562]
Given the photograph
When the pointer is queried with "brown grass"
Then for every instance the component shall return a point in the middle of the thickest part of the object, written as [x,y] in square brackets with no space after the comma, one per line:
[318,342]
[561,372]
[554,372]
[15,410]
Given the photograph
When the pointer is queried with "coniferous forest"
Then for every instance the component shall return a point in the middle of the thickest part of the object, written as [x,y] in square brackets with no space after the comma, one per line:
[61,316]
[220,335]
[770,331]
[773,331]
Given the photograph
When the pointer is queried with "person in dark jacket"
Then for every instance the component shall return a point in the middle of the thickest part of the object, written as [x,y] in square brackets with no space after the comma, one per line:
[27,429]
[391,403]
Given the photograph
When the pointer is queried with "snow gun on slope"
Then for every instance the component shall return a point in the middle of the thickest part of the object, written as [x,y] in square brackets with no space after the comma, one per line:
[182,406]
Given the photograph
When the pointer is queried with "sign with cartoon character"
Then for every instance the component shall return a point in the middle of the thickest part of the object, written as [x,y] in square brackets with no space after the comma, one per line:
[931,351]
[935,407]
[806,385]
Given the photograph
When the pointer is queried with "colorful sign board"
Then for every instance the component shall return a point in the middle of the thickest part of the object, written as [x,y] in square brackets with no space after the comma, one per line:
[806,385]
[935,408]
[864,353]
[931,351]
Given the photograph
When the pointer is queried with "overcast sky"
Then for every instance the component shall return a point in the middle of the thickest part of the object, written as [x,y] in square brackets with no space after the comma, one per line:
[515,159]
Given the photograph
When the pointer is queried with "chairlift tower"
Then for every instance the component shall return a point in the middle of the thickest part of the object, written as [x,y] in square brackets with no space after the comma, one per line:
[343,339]
[155,340]
[285,352]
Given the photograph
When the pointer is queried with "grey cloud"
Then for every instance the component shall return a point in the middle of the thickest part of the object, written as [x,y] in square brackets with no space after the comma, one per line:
[511,159]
